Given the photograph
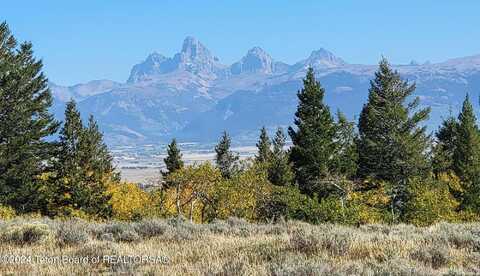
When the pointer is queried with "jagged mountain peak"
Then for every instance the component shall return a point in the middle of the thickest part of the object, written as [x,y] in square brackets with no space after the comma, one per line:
[154,64]
[190,40]
[155,56]
[194,57]
[193,48]
[322,53]
[257,51]
[188,95]
[322,58]
[255,61]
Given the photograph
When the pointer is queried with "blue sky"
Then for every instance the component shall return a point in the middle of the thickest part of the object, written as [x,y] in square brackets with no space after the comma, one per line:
[90,39]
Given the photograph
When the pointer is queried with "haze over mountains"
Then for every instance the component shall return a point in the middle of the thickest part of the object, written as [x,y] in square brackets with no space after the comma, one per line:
[193,96]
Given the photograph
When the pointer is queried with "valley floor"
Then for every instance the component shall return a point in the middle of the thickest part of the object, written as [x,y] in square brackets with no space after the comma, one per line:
[234,247]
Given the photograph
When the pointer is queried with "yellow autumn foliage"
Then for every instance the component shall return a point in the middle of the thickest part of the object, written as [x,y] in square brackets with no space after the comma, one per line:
[6,212]
[240,196]
[370,204]
[191,191]
[431,202]
[128,201]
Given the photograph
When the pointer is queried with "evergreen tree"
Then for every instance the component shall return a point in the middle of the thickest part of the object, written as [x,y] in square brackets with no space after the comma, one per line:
[444,149]
[225,159]
[84,168]
[346,156]
[263,146]
[313,138]
[25,122]
[98,172]
[466,157]
[70,136]
[67,163]
[280,171]
[173,161]
[392,146]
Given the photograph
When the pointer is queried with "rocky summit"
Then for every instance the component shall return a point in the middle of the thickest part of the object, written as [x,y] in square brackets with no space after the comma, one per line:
[194,96]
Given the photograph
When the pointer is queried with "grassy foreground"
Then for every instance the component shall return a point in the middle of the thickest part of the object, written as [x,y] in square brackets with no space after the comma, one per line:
[234,247]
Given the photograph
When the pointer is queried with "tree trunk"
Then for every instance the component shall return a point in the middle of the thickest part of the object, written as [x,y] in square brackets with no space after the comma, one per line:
[191,210]
[179,212]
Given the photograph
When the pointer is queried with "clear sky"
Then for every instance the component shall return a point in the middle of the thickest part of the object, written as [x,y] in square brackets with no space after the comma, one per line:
[101,39]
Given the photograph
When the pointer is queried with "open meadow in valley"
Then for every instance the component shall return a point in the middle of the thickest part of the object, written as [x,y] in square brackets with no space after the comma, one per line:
[234,247]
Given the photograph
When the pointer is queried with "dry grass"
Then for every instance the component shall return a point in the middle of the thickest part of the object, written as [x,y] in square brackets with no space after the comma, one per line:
[234,247]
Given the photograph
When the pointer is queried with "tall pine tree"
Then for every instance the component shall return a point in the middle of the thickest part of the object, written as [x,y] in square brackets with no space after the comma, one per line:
[173,161]
[67,163]
[226,160]
[263,147]
[466,157]
[98,171]
[25,122]
[445,146]
[392,146]
[70,135]
[280,170]
[313,138]
[84,168]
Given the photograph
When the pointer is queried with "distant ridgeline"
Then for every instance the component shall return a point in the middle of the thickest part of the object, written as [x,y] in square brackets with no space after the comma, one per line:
[194,97]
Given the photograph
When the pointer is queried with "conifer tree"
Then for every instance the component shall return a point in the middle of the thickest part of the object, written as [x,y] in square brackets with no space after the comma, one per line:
[313,138]
[70,135]
[444,149]
[98,172]
[94,151]
[225,159]
[67,163]
[25,122]
[173,161]
[392,146]
[466,157]
[280,171]
[346,155]
[263,146]
[84,168]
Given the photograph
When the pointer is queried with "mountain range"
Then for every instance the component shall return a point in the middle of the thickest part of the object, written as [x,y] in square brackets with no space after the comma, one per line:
[194,97]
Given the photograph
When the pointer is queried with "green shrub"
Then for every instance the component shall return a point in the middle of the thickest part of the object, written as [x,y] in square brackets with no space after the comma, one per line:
[26,234]
[219,227]
[97,249]
[128,236]
[106,237]
[118,231]
[331,210]
[274,229]
[336,243]
[436,256]
[184,231]
[152,228]
[289,203]
[234,227]
[237,222]
[303,242]
[71,233]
